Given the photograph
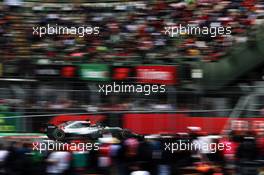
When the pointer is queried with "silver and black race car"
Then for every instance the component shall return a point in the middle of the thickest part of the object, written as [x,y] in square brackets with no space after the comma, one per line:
[84,130]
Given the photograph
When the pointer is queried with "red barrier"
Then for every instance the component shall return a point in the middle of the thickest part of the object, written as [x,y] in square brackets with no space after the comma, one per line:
[171,123]
[174,123]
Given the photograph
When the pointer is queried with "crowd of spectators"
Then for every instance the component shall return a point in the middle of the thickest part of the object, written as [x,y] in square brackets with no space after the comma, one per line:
[134,156]
[129,32]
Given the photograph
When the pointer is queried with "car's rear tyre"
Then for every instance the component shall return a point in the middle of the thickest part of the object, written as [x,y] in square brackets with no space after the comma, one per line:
[58,134]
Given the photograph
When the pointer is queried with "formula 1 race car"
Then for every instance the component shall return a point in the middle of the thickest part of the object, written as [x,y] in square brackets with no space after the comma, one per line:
[84,130]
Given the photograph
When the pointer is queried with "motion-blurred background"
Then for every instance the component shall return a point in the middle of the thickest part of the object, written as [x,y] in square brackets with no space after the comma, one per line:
[210,82]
